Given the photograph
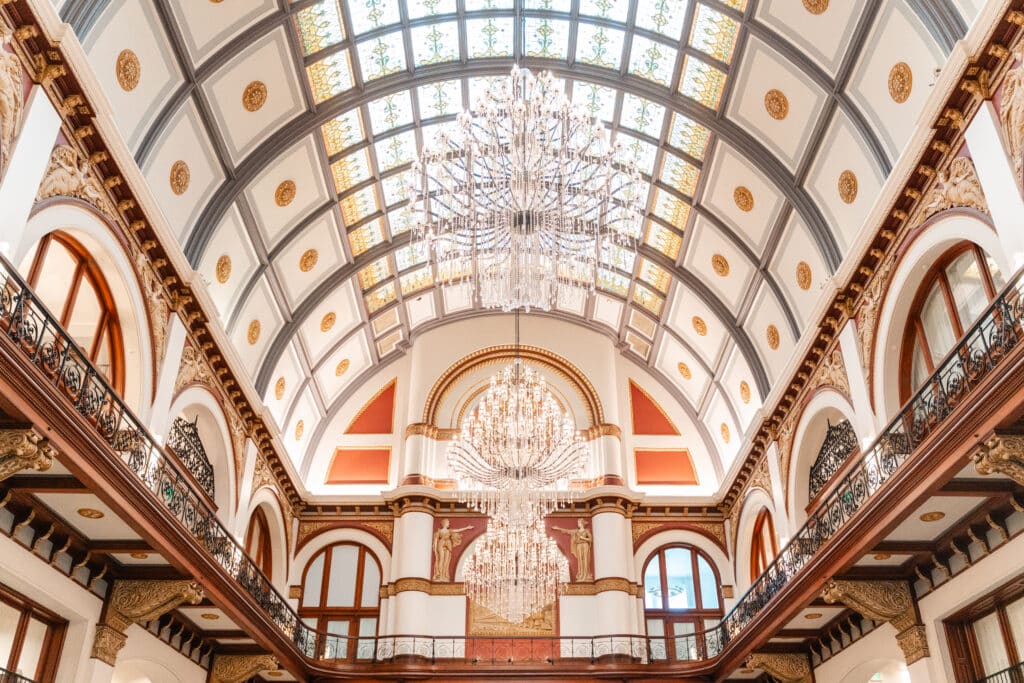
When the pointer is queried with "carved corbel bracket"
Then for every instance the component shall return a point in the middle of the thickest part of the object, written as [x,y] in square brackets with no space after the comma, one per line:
[24,449]
[884,601]
[239,668]
[138,602]
[786,667]
[1001,453]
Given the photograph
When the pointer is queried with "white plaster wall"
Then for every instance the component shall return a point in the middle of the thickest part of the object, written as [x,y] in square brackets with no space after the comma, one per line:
[146,659]
[876,652]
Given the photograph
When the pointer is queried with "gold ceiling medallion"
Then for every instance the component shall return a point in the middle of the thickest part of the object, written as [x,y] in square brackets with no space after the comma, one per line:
[776,104]
[210,616]
[812,615]
[140,556]
[308,260]
[744,392]
[180,177]
[300,427]
[933,516]
[279,388]
[816,6]
[254,96]
[901,82]
[327,322]
[699,326]
[90,513]
[803,275]
[252,335]
[720,264]
[725,432]
[342,368]
[223,269]
[882,556]
[128,70]
[744,199]
[285,193]
[848,186]
[684,370]
[773,337]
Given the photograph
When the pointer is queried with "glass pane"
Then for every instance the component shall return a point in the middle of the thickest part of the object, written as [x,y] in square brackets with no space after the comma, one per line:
[341,587]
[938,328]
[685,642]
[54,278]
[679,570]
[337,648]
[8,625]
[997,275]
[85,314]
[31,648]
[320,26]
[652,584]
[314,580]
[102,359]
[708,584]
[918,367]
[990,644]
[367,629]
[371,583]
[656,629]
[1015,615]
[968,289]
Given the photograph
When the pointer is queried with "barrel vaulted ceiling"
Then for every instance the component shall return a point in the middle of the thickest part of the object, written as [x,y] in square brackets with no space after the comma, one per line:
[276,136]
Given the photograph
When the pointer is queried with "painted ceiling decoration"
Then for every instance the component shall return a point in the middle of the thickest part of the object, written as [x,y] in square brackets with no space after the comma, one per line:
[277,135]
[378,415]
[649,418]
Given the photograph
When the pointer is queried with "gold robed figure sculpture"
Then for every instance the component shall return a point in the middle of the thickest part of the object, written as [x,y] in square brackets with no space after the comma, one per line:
[580,541]
[445,540]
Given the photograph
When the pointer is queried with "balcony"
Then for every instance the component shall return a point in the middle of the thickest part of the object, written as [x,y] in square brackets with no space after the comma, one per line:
[1014,674]
[11,677]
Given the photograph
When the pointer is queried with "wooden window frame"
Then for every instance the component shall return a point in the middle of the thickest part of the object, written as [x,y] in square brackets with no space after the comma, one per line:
[759,556]
[109,325]
[963,643]
[697,615]
[262,553]
[914,331]
[53,642]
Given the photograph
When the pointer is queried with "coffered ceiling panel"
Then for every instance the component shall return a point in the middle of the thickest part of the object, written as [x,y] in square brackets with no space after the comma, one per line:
[820,28]
[799,270]
[738,384]
[208,26]
[229,263]
[255,323]
[722,265]
[331,320]
[306,261]
[766,324]
[688,372]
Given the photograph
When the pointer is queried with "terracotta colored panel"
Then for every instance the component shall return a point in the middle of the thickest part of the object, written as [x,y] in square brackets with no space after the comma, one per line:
[359,466]
[648,417]
[378,415]
[664,467]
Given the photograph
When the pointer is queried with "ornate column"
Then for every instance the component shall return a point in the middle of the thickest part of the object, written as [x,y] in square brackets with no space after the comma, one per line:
[786,667]
[613,568]
[240,668]
[24,449]
[137,602]
[887,601]
[1002,453]
[409,610]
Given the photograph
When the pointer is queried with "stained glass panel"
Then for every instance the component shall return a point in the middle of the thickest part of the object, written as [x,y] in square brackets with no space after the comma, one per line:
[422,8]
[551,5]
[390,111]
[400,220]
[642,115]
[652,60]
[680,175]
[374,273]
[350,171]
[615,10]
[637,150]
[671,209]
[714,33]
[662,16]
[410,255]
[702,82]
[439,99]
[358,205]
[436,43]
[735,4]
[599,45]
[416,280]
[688,136]
[648,299]
[367,15]
[366,236]
[396,150]
[474,5]
[330,76]
[396,187]
[663,239]
[610,281]
[319,26]
[490,37]
[599,100]
[547,38]
[380,297]
[381,56]
[654,275]
[614,256]
[343,131]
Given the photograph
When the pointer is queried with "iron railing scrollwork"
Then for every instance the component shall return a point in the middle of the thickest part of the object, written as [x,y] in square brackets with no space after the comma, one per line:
[1013,674]
[840,442]
[12,677]
[184,441]
[45,344]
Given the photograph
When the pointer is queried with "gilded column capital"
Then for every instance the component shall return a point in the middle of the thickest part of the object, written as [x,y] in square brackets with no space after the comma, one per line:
[914,643]
[240,668]
[24,449]
[1002,453]
[787,667]
[107,643]
[884,601]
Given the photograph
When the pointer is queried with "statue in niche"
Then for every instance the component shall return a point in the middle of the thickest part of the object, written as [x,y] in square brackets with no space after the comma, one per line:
[12,98]
[580,542]
[1011,110]
[445,540]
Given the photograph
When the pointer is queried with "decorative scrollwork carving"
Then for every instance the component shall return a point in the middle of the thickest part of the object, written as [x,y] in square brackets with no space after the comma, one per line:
[883,601]
[69,176]
[12,99]
[1000,454]
[787,667]
[957,185]
[1011,111]
[239,668]
[24,449]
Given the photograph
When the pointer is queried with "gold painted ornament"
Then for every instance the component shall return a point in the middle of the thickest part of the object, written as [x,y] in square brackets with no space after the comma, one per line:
[308,260]
[744,392]
[285,193]
[327,322]
[848,186]
[720,265]
[342,367]
[725,432]
[803,275]
[300,428]
[684,370]
[816,6]
[128,70]
[279,387]
[180,177]
[223,268]
[772,333]
[744,199]
[776,104]
[252,335]
[699,326]
[254,96]
[901,82]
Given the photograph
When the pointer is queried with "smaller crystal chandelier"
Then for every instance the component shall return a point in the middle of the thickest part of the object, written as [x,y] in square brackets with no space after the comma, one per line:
[515,571]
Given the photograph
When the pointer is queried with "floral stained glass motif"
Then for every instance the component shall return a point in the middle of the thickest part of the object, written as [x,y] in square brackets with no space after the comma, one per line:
[688,136]
[702,82]
[615,10]
[648,299]
[374,273]
[663,239]
[550,5]
[381,56]
[714,33]
[358,205]
[662,16]
[614,256]
[547,38]
[598,100]
[654,275]
[380,297]
[435,43]
[343,131]
[396,150]
[351,170]
[366,236]
[671,209]
[390,111]
[440,98]
[330,76]
[599,45]
[652,60]
[735,4]
[640,151]
[642,115]
[418,279]
[367,15]
[680,175]
[395,187]
[490,37]
[400,220]
[411,255]
[423,8]
[319,26]
[613,282]
[474,5]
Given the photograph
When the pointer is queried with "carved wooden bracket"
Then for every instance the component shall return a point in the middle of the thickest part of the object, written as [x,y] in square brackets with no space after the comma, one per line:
[239,668]
[23,449]
[884,601]
[1001,453]
[138,602]
[788,668]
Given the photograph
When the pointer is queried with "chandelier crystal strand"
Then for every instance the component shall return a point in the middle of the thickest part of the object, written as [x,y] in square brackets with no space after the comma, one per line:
[515,571]
[524,196]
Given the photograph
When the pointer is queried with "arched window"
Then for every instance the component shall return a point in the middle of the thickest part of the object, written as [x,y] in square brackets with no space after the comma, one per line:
[954,293]
[762,545]
[257,543]
[341,598]
[69,283]
[681,600]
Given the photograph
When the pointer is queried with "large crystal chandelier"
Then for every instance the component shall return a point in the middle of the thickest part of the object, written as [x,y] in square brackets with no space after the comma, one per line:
[524,196]
[515,571]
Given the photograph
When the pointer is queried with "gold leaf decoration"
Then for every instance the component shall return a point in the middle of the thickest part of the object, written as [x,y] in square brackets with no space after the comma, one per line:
[744,392]
[816,6]
[684,370]
[744,198]
[342,367]
[776,104]
[308,260]
[254,96]
[300,427]
[725,432]
[285,193]
[180,177]
[279,388]
[128,70]
[720,265]
[773,337]
[901,82]
[803,275]
[699,326]
[327,322]
[223,268]
[848,186]
[933,516]
[252,335]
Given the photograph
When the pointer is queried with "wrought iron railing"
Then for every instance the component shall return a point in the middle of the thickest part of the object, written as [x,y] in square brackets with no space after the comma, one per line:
[185,442]
[1014,674]
[839,444]
[46,345]
[11,677]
